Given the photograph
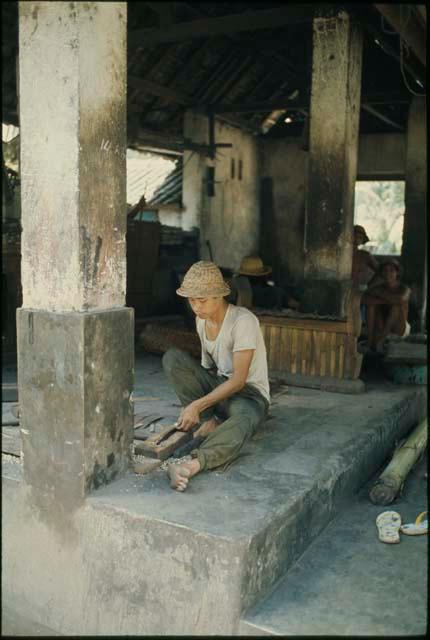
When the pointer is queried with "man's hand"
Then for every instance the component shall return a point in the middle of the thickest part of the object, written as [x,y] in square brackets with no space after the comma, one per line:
[190,416]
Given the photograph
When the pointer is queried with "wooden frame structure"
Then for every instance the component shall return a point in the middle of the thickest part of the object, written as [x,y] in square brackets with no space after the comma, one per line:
[311,350]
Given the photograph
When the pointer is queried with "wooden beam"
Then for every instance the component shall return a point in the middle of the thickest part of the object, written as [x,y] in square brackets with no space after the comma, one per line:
[164,11]
[224,25]
[291,105]
[178,97]
[381,116]
[403,20]
[388,49]
[155,89]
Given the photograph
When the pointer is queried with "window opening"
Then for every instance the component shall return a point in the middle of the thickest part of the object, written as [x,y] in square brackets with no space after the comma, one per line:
[380,208]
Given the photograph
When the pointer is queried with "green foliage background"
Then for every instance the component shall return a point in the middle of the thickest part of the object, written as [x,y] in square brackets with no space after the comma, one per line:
[379,208]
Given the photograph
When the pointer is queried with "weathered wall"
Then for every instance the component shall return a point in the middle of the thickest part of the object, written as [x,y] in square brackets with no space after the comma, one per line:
[285,162]
[230,219]
[381,154]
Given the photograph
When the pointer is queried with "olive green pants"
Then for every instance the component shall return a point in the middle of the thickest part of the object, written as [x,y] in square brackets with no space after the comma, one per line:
[243,412]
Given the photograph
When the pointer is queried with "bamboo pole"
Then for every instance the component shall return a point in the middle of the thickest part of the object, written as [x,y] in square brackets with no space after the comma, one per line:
[392,478]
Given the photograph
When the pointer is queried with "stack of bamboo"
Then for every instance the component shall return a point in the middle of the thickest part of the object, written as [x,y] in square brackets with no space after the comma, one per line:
[392,479]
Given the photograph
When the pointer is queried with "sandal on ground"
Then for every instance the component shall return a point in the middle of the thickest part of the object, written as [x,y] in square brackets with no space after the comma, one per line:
[418,528]
[388,524]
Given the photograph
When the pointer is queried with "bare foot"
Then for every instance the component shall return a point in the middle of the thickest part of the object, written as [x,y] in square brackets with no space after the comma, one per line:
[207,427]
[180,474]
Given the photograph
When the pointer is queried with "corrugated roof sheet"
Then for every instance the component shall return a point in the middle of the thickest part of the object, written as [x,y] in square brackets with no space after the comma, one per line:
[170,191]
[157,177]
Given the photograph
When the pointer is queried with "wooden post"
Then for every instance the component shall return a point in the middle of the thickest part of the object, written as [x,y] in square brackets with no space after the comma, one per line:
[333,149]
[414,248]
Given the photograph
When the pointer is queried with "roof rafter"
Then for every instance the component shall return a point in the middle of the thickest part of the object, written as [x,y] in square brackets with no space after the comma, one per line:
[224,25]
[290,104]
[403,20]
[381,116]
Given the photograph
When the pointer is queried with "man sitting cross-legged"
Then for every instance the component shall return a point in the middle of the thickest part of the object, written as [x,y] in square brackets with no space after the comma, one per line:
[387,306]
[232,374]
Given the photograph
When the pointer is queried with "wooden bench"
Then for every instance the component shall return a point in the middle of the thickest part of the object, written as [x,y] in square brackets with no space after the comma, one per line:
[314,353]
[311,347]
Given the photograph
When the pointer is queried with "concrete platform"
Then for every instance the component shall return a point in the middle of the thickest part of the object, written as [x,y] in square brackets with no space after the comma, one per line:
[348,583]
[141,559]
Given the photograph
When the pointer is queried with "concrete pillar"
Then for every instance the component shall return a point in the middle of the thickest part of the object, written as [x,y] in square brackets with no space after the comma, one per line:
[414,248]
[333,149]
[75,337]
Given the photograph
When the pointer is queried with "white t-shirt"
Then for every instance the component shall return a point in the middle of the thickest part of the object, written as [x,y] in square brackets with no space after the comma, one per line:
[240,331]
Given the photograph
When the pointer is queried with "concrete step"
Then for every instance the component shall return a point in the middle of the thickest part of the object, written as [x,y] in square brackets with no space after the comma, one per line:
[148,560]
[348,583]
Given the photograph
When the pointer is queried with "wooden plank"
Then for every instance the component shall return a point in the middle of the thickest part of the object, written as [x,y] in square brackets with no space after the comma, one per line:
[302,353]
[158,447]
[406,352]
[337,350]
[223,25]
[294,340]
[377,113]
[332,354]
[302,323]
[299,351]
[307,352]
[341,343]
[283,349]
[323,346]
[289,343]
[317,342]
[275,340]
[268,349]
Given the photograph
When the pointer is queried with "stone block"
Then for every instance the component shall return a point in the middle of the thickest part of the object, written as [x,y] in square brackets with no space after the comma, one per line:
[75,377]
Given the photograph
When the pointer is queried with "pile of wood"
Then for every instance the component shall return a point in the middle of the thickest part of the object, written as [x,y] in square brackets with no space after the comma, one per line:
[159,336]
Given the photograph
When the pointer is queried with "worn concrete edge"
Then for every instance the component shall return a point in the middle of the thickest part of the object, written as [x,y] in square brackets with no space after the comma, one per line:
[15,478]
[232,542]
[351,472]
[86,513]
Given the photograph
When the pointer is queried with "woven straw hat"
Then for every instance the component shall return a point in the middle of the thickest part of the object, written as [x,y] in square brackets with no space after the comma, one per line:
[253,266]
[203,279]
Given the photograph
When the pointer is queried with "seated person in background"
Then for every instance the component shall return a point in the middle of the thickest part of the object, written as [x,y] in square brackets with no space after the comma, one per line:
[387,306]
[364,265]
[264,293]
[364,270]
